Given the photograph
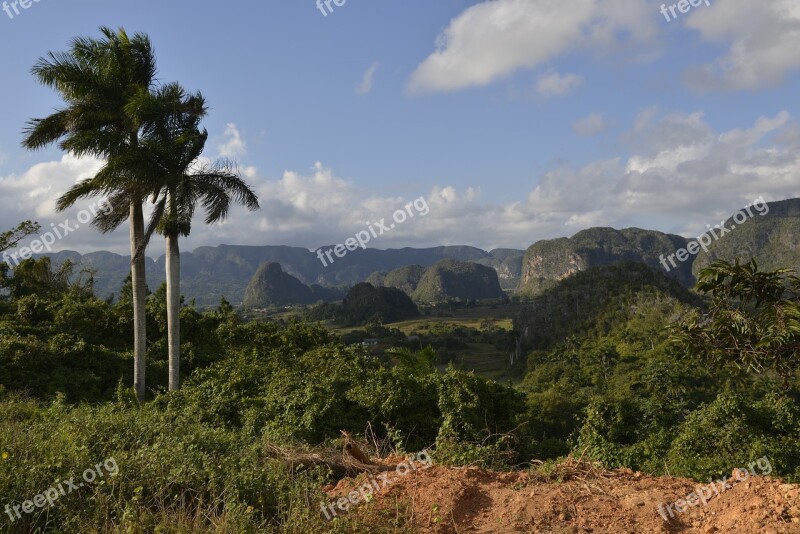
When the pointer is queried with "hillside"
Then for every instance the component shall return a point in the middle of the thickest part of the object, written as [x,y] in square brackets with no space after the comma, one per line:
[508,264]
[452,280]
[772,239]
[546,262]
[573,306]
[270,286]
[405,278]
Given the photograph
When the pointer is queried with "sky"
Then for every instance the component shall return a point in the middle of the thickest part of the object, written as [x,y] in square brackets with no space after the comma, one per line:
[514,120]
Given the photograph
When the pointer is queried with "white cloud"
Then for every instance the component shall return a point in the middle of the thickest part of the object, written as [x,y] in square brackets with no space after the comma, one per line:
[34,192]
[32,195]
[553,84]
[680,175]
[233,146]
[367,80]
[592,124]
[762,39]
[493,39]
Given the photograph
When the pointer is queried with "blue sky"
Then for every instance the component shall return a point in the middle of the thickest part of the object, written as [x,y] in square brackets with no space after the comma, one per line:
[517,120]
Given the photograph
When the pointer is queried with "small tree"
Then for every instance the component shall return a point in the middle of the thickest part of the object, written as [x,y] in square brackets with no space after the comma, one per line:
[753,321]
[12,238]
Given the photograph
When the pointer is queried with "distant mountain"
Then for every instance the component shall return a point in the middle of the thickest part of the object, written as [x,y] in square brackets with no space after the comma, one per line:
[451,279]
[772,239]
[209,273]
[270,286]
[550,261]
[405,278]
[446,280]
[508,264]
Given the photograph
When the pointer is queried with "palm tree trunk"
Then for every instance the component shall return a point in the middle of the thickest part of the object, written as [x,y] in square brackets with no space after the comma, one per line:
[174,310]
[139,286]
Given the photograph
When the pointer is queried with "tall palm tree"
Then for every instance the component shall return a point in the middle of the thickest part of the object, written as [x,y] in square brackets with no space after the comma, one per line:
[174,143]
[100,81]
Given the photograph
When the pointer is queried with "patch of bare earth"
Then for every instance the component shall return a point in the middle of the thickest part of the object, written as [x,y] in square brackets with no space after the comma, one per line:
[578,498]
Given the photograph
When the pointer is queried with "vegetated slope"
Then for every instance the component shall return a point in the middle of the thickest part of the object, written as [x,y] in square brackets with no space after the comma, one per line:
[388,304]
[572,307]
[450,279]
[270,286]
[772,239]
[547,262]
[405,278]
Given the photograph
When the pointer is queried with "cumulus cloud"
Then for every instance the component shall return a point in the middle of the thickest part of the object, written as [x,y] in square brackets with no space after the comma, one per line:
[31,195]
[762,39]
[493,39]
[367,80]
[678,174]
[553,84]
[34,192]
[592,124]
[233,146]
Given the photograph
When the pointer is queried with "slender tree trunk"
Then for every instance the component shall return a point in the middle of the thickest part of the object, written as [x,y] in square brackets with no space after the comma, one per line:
[139,295]
[174,311]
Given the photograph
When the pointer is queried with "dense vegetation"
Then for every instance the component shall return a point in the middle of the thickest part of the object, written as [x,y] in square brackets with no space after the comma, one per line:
[608,379]
[250,386]
[365,304]
[209,456]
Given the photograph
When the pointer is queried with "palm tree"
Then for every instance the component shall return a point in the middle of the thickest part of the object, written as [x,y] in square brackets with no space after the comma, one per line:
[101,80]
[173,144]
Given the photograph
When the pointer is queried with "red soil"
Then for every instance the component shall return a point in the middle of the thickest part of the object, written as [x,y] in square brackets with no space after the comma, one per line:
[583,499]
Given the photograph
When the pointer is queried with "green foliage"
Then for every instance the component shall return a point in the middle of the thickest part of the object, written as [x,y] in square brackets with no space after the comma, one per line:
[171,470]
[365,303]
[478,421]
[753,320]
[14,237]
[595,301]
[734,430]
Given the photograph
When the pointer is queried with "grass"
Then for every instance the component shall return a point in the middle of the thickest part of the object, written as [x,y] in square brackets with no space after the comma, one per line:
[483,358]
[500,316]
